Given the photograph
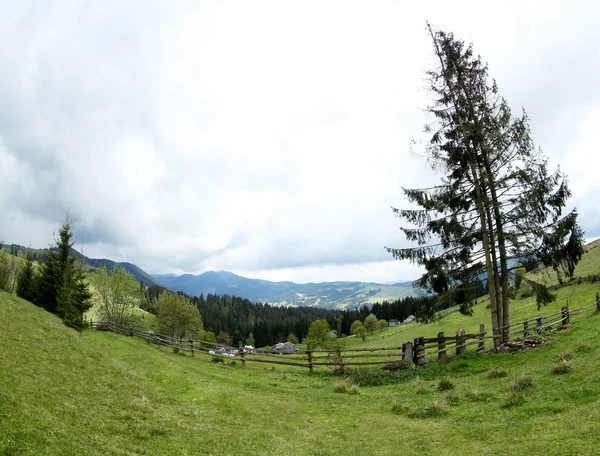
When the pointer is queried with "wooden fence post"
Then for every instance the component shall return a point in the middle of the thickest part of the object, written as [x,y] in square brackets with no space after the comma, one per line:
[131,331]
[525,329]
[91,324]
[310,360]
[407,352]
[192,346]
[441,345]
[565,315]
[597,302]
[538,325]
[419,352]
[460,342]
[241,352]
[481,346]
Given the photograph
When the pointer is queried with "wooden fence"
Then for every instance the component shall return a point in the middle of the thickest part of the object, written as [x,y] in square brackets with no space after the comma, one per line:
[419,351]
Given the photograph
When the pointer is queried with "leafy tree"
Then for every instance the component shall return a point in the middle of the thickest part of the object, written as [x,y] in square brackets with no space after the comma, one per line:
[250,340]
[355,325]
[382,324]
[292,338]
[26,281]
[208,336]
[318,333]
[519,275]
[361,332]
[4,273]
[177,316]
[118,292]
[371,323]
[224,338]
[497,200]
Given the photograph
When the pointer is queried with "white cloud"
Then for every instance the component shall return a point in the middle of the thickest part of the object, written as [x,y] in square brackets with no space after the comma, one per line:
[268,138]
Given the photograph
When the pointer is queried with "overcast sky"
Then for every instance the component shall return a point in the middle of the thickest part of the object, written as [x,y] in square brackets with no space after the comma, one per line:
[265,138]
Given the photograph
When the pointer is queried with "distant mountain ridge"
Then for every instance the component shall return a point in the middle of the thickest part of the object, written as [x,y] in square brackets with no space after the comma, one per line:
[327,295]
[139,274]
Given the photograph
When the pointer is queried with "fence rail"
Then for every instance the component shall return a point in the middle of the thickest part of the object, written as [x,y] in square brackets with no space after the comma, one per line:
[418,351]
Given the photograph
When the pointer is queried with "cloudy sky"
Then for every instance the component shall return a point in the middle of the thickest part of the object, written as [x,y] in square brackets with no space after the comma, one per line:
[265,138]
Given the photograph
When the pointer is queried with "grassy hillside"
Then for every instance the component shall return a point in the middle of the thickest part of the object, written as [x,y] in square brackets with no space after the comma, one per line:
[576,295]
[63,392]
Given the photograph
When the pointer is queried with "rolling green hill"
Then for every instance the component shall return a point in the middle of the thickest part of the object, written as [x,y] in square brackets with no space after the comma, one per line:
[63,392]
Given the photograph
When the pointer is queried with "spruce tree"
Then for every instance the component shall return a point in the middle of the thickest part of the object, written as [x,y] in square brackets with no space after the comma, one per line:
[497,200]
[62,287]
[26,281]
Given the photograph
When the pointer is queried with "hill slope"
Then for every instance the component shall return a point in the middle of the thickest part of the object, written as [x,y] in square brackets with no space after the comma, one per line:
[63,392]
[327,295]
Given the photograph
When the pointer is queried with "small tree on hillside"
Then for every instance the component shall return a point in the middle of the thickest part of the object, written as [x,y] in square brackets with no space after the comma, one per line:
[354,326]
[178,317]
[26,280]
[382,324]
[250,340]
[318,333]
[292,338]
[61,285]
[224,338]
[361,332]
[118,294]
[371,323]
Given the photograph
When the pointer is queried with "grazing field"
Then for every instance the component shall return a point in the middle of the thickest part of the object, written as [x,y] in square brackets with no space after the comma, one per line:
[63,392]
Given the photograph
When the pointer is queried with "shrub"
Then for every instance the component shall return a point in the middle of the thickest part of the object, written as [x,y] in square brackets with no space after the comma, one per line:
[400,409]
[354,389]
[497,373]
[514,399]
[340,386]
[433,410]
[567,356]
[420,385]
[479,396]
[218,359]
[522,384]
[445,385]
[451,398]
[563,367]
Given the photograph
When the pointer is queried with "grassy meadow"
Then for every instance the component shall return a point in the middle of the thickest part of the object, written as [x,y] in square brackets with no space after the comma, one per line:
[99,393]
[63,392]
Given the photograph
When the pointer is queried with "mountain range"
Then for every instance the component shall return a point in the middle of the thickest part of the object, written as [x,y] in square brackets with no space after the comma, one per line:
[326,295]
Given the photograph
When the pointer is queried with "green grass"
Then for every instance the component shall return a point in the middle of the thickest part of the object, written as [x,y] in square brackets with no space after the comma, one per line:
[63,392]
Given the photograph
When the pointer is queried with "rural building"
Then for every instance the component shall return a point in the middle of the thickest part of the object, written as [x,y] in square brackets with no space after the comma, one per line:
[409,319]
[393,322]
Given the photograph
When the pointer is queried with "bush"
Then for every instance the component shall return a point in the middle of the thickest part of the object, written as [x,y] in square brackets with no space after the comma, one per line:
[522,384]
[451,398]
[567,356]
[445,385]
[479,396]
[563,367]
[429,411]
[400,409]
[420,385]
[217,359]
[497,373]
[340,386]
[354,389]
[514,399]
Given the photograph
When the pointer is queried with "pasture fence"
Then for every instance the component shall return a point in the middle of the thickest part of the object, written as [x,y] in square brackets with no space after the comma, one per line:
[419,351]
